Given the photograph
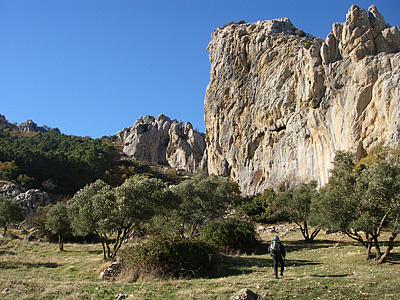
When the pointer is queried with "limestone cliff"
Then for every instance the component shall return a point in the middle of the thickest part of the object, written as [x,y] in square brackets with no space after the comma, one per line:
[279,104]
[164,141]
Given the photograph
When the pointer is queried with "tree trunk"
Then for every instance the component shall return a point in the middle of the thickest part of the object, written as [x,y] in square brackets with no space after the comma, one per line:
[314,234]
[104,248]
[369,246]
[377,247]
[5,230]
[122,235]
[108,251]
[384,256]
[306,231]
[60,242]
[303,232]
[104,244]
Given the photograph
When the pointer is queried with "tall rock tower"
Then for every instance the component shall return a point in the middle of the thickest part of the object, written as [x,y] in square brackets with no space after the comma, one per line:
[280,103]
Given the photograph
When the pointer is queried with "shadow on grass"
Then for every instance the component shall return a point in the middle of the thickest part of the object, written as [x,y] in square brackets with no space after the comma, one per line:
[17,265]
[8,252]
[83,251]
[316,244]
[301,262]
[331,276]
[233,266]
[393,258]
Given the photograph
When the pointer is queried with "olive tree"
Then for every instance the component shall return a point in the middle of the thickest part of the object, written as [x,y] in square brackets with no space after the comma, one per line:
[378,193]
[296,203]
[337,205]
[138,199]
[57,222]
[200,199]
[100,209]
[91,210]
[361,202]
[10,213]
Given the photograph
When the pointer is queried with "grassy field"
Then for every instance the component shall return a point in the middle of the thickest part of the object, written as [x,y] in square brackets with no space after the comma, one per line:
[333,267]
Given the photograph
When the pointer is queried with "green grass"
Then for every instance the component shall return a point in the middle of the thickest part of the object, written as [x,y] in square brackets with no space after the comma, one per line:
[331,268]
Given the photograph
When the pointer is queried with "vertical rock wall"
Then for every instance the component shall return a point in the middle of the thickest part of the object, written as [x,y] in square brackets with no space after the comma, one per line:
[278,104]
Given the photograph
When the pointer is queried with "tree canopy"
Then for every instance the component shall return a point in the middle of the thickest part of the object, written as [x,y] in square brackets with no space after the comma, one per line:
[10,212]
[200,199]
[91,210]
[57,222]
[101,209]
[361,201]
[68,162]
[297,205]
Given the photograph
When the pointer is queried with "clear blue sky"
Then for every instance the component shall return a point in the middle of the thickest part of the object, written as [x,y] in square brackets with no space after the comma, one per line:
[92,68]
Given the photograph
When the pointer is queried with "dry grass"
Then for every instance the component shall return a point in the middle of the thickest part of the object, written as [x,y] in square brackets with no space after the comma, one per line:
[331,268]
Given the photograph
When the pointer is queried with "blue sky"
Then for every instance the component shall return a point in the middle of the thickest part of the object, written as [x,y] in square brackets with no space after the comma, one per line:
[91,68]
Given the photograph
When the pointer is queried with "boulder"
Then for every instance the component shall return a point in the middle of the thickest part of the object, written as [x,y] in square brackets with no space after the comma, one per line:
[111,271]
[246,294]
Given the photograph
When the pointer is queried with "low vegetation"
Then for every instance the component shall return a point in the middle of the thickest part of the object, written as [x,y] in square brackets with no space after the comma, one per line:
[332,267]
[231,235]
[168,257]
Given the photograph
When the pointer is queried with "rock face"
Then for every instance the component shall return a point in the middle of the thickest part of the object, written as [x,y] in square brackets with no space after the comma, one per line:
[27,126]
[164,141]
[29,199]
[30,126]
[279,104]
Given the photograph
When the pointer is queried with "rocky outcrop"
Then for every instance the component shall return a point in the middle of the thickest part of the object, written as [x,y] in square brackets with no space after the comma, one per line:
[164,141]
[29,199]
[280,104]
[30,126]
[27,126]
[5,124]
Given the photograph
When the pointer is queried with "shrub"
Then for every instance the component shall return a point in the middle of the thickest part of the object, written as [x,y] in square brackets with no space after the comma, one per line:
[230,235]
[8,170]
[27,181]
[307,44]
[261,207]
[285,75]
[300,33]
[163,257]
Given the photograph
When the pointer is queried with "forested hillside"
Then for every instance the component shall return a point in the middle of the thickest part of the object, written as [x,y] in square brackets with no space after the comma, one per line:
[54,161]
[62,164]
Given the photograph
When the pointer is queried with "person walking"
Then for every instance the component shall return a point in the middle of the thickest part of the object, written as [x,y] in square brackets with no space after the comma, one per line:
[278,253]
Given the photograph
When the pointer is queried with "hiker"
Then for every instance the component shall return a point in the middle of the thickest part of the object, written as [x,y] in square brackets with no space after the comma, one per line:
[278,253]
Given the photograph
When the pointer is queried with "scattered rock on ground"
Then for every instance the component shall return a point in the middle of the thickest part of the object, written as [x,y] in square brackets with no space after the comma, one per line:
[246,294]
[111,271]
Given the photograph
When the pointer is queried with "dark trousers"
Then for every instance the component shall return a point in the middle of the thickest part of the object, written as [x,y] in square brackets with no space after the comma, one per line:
[277,259]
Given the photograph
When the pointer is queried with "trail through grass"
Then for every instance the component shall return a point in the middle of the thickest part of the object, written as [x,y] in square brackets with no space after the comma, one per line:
[331,268]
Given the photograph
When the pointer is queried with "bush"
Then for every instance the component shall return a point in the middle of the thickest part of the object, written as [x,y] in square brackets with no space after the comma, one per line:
[300,32]
[162,257]
[307,44]
[261,207]
[27,181]
[231,235]
[8,170]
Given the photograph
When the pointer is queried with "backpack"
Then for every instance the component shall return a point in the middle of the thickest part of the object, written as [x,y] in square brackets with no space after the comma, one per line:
[275,247]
